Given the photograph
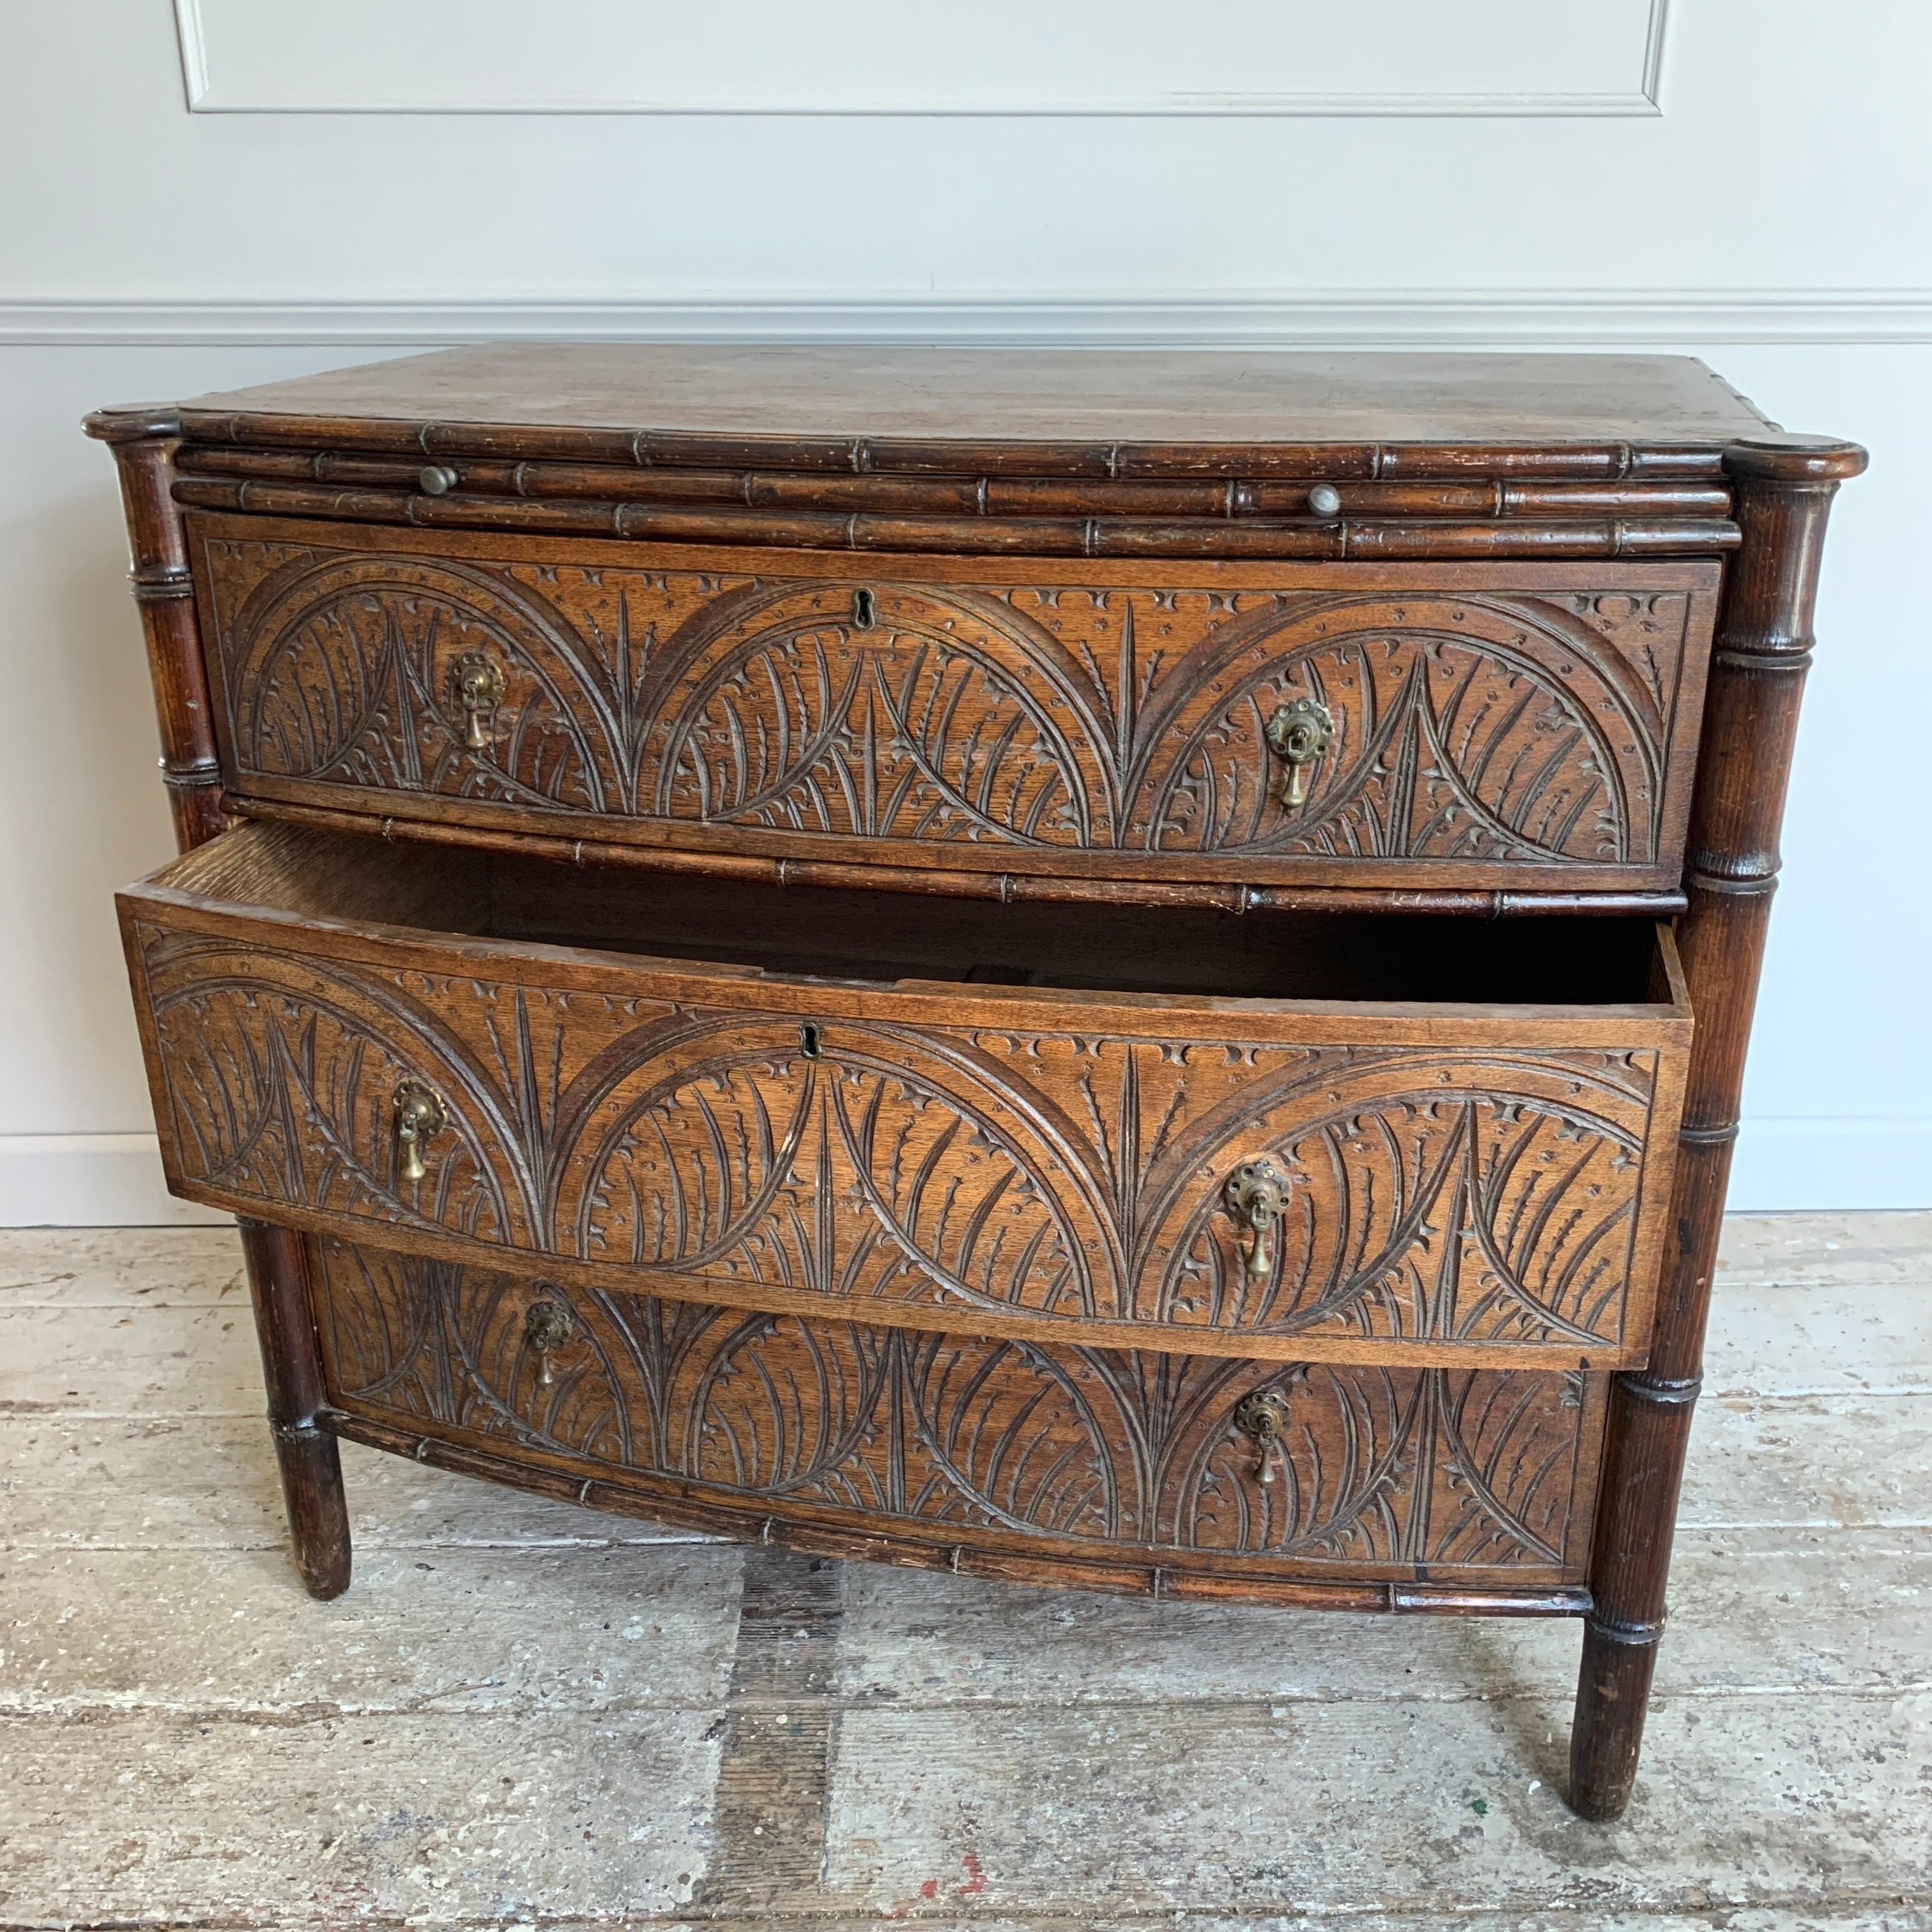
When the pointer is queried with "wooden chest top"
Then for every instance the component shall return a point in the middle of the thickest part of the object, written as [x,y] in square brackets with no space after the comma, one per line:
[1057,410]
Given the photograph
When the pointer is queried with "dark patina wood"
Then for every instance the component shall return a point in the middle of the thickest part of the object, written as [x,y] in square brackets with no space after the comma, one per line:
[1486,726]
[852,1100]
[144,441]
[1107,414]
[854,1150]
[964,1450]
[1785,490]
[311,1465]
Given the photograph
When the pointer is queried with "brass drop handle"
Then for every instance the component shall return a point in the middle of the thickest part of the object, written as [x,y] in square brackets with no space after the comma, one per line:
[547,1326]
[1263,1419]
[417,1114]
[1254,1195]
[1298,733]
[479,680]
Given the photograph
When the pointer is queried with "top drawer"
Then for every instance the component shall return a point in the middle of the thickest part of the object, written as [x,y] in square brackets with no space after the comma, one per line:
[1522,727]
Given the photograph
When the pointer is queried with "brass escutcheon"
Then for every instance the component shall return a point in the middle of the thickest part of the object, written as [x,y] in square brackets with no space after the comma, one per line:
[548,1325]
[479,680]
[1298,733]
[1263,1418]
[418,1113]
[1254,1196]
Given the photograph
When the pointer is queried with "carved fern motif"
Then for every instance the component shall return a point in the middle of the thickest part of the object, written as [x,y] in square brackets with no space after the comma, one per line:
[1416,1471]
[1435,1194]
[1497,730]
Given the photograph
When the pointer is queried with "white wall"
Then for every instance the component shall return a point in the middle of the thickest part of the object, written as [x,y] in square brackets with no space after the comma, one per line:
[1773,218]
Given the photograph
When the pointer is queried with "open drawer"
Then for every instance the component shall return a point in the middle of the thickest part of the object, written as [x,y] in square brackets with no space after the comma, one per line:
[1272,1135]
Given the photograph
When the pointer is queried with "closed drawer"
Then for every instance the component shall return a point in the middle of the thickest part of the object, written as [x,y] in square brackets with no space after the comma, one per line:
[1294,1137]
[1108,1467]
[1481,726]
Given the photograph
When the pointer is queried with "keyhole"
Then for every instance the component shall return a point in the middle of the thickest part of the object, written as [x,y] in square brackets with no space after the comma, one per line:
[865,610]
[807,1040]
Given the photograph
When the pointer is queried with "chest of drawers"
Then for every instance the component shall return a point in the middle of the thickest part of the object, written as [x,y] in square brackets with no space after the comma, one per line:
[1124,970]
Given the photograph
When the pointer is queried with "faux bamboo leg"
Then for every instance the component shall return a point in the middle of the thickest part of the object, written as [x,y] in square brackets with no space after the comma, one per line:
[292,1365]
[143,442]
[1784,487]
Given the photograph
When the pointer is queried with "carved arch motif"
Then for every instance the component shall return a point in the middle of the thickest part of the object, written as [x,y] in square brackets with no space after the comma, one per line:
[280,1075]
[1435,1194]
[342,669]
[1476,728]
[877,1166]
[944,717]
[1496,729]
[1400,1470]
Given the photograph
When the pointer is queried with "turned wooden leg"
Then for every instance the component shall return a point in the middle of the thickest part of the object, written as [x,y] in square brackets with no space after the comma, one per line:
[1649,1428]
[1784,487]
[292,1365]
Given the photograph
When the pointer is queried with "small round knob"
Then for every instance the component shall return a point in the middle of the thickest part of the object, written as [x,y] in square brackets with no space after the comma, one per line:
[438,480]
[1325,500]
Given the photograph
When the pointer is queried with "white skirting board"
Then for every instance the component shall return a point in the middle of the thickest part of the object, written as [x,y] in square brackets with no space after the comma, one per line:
[114,1180]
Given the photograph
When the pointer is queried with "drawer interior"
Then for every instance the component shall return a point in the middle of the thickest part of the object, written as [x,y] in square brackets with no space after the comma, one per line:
[815,932]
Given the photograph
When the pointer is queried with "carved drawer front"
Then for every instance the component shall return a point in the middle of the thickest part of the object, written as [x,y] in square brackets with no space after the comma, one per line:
[1477,725]
[341,1036]
[967,1450]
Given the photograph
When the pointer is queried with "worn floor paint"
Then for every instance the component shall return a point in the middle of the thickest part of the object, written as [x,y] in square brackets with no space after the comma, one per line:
[526,1713]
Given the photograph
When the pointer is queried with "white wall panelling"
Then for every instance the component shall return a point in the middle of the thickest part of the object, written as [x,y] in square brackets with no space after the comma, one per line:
[905,57]
[1384,318]
[1775,219]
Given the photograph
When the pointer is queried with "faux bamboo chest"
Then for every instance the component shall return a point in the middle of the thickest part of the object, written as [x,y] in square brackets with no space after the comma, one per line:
[1123,970]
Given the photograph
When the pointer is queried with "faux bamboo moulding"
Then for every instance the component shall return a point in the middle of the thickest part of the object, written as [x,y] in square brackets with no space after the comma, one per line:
[897,952]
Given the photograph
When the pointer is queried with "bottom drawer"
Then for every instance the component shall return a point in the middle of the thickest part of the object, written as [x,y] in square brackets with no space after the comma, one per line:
[1387,1488]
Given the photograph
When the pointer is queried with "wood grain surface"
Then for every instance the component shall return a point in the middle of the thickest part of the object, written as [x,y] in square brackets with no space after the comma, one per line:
[1459,1176]
[1035,636]
[883,394]
[1490,726]
[919,1445]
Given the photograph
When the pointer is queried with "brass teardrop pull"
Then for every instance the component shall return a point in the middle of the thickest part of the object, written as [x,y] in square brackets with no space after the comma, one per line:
[1254,1196]
[479,680]
[1263,1419]
[1298,733]
[547,1326]
[417,1114]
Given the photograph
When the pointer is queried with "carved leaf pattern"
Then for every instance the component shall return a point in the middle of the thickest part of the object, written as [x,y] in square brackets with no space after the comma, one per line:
[1500,729]
[1437,1194]
[1400,1471]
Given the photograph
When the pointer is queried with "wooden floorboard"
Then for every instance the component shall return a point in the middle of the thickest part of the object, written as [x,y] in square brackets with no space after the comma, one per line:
[527,1713]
